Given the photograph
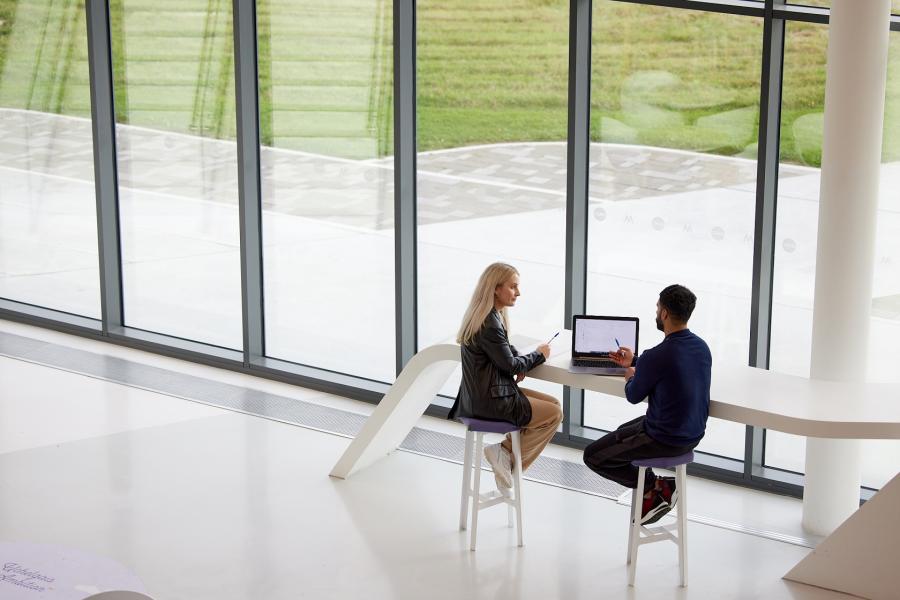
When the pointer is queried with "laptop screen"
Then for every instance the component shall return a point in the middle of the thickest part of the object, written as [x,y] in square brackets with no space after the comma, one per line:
[596,335]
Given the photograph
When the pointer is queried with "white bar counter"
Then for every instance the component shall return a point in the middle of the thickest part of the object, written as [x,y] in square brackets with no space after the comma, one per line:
[767,399]
[742,394]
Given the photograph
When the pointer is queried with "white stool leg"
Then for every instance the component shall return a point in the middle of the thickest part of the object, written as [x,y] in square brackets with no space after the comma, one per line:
[509,507]
[681,482]
[476,488]
[466,483]
[634,499]
[517,480]
[635,536]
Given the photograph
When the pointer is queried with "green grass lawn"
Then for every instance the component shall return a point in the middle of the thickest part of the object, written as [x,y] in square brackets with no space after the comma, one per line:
[491,71]
[662,77]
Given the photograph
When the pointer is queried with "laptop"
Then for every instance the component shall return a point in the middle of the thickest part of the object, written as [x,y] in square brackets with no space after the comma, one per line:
[594,337]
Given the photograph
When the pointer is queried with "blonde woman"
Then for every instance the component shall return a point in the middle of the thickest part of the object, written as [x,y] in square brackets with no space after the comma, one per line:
[492,367]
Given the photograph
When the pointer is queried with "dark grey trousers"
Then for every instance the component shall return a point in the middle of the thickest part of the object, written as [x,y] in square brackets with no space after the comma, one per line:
[611,455]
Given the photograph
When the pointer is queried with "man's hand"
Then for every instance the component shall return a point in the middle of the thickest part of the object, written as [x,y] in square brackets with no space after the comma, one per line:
[622,357]
[520,377]
[544,349]
[629,373]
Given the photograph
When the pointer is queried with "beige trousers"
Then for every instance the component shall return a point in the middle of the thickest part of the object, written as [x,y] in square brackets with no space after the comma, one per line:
[546,415]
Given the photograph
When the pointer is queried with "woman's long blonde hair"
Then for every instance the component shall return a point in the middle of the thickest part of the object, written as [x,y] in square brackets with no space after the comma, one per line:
[483,301]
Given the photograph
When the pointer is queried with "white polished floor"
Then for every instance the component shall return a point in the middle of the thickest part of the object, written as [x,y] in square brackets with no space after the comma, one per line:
[202,503]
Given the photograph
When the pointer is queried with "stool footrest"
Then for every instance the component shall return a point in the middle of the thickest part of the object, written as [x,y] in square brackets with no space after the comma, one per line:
[492,499]
[670,527]
[657,536]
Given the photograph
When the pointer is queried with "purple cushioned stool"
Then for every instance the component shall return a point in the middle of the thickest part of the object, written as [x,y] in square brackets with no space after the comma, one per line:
[639,534]
[488,426]
[474,453]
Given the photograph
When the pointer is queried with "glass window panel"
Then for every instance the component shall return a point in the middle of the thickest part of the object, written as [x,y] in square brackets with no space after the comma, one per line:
[674,113]
[492,86]
[327,134]
[173,67]
[48,223]
[795,251]
[895,4]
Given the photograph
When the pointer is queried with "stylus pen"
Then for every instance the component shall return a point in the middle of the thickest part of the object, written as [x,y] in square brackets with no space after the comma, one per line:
[553,338]
[618,345]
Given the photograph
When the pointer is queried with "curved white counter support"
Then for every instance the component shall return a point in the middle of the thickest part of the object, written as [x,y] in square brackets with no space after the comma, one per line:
[397,413]
[742,394]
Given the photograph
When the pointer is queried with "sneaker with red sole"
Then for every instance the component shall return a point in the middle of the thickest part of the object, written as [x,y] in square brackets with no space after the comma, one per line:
[667,489]
[654,508]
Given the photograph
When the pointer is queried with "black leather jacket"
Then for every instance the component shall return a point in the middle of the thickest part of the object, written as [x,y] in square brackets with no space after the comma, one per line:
[489,365]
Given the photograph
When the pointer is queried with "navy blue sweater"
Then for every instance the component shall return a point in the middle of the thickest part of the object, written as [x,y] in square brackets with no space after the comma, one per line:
[676,376]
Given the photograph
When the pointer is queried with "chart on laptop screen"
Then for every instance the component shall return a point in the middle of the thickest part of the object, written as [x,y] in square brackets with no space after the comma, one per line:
[601,335]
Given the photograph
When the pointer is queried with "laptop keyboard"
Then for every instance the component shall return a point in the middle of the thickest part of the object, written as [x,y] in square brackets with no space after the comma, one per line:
[605,364]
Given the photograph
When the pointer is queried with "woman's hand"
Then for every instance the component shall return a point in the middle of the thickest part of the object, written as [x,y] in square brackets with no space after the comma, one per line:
[520,377]
[544,349]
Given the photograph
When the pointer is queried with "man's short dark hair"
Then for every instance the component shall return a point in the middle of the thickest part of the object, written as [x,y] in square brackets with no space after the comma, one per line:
[679,301]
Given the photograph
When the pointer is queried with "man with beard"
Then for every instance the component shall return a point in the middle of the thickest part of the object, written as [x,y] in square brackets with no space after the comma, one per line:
[675,377]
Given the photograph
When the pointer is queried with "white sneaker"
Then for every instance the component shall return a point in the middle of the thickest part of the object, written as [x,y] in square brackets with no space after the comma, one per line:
[500,462]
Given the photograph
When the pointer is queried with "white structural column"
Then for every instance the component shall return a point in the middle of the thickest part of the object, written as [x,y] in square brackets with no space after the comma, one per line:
[848,201]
